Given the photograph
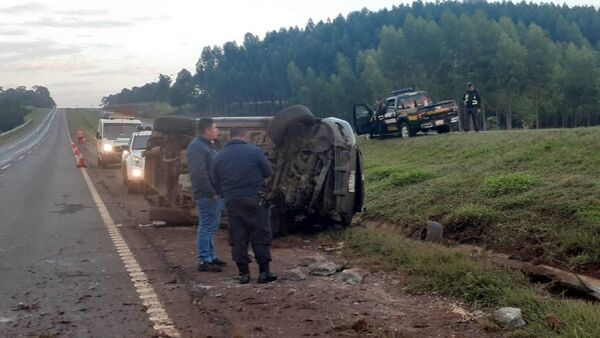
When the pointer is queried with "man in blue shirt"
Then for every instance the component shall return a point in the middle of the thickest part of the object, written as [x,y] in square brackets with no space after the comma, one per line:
[239,172]
[200,153]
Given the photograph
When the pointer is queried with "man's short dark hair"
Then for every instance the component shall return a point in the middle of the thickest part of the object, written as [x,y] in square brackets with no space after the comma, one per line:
[204,124]
[237,132]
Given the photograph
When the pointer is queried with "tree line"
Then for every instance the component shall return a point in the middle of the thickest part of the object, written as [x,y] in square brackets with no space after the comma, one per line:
[535,65]
[15,103]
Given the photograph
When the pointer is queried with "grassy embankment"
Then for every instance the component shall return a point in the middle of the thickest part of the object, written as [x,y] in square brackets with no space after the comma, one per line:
[35,114]
[85,119]
[530,193]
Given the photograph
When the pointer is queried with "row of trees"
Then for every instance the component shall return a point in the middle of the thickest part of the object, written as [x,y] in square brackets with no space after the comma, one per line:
[535,65]
[14,103]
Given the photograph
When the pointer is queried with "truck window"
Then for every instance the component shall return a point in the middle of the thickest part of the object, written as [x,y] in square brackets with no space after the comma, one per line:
[139,142]
[118,130]
[406,102]
[421,99]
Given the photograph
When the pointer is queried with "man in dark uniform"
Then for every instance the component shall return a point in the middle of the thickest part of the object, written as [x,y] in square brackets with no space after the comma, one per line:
[472,105]
[199,154]
[239,172]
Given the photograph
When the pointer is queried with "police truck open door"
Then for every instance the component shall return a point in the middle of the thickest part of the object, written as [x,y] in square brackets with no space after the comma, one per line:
[362,116]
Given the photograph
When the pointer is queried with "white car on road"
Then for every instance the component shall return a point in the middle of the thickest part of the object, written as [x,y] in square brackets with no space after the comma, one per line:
[133,161]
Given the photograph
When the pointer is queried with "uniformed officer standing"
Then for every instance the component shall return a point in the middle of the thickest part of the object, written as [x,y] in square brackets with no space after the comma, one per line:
[239,172]
[472,105]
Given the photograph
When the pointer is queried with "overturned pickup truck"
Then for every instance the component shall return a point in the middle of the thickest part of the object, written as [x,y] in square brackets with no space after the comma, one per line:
[317,166]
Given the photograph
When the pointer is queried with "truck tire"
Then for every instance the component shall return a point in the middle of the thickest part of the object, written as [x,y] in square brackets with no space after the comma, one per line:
[405,130]
[172,124]
[286,119]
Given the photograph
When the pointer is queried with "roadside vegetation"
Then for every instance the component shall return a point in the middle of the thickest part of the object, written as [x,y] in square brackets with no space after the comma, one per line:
[86,119]
[447,272]
[544,57]
[146,109]
[35,115]
[531,194]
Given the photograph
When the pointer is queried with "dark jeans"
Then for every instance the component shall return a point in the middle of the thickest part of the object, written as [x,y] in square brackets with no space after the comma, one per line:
[471,114]
[249,223]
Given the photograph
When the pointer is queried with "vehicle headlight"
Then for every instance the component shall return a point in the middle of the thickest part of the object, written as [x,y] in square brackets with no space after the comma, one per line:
[136,172]
[136,159]
[107,147]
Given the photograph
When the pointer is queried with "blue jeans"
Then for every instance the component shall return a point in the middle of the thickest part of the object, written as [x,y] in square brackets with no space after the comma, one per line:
[210,218]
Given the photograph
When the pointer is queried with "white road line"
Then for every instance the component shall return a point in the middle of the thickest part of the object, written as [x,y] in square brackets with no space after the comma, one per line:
[156,311]
[6,166]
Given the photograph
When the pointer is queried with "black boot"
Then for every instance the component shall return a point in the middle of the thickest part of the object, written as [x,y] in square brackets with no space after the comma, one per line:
[244,273]
[266,275]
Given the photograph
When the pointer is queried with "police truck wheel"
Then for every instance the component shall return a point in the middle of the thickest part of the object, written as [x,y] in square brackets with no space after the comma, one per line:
[172,124]
[405,130]
[286,121]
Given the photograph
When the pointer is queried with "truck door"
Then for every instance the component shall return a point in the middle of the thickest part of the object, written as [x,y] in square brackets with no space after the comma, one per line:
[362,117]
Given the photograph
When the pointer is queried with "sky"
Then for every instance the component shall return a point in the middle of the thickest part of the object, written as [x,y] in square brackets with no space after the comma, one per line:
[84,50]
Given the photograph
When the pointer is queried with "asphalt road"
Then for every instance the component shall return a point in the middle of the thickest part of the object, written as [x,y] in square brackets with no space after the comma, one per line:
[59,271]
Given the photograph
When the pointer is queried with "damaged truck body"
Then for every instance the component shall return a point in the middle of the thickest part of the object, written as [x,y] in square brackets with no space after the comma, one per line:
[317,166]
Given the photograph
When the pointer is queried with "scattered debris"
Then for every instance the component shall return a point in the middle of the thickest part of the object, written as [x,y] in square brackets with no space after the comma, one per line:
[94,286]
[307,261]
[554,322]
[154,223]
[4,320]
[432,232]
[353,276]
[509,317]
[172,281]
[26,307]
[294,275]
[337,247]
[323,269]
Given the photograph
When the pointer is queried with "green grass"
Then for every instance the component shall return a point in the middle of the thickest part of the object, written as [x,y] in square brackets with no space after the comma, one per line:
[85,119]
[447,272]
[528,193]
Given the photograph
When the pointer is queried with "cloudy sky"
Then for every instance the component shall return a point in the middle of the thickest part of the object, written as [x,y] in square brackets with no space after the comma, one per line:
[83,50]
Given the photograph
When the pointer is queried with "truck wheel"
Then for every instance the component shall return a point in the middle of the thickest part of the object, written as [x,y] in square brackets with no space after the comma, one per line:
[405,130]
[171,124]
[285,120]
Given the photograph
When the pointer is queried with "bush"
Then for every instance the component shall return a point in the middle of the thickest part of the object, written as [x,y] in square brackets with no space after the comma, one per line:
[12,114]
[506,184]
[471,215]
[403,178]
[379,173]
